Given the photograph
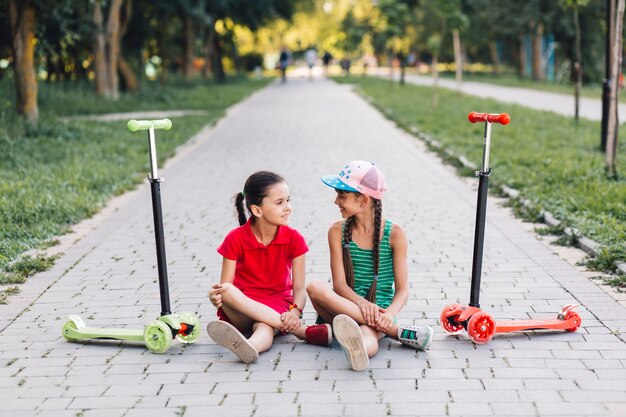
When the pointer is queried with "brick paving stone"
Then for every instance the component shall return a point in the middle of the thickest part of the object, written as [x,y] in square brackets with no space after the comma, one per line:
[303,130]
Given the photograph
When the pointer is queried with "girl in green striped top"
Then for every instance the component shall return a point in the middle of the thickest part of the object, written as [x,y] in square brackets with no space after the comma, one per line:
[369,269]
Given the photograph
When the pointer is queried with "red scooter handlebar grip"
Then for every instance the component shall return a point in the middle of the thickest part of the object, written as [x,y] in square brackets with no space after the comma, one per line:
[502,118]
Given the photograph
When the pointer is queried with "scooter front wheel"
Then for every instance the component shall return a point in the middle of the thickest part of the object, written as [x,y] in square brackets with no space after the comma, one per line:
[157,337]
[576,321]
[481,327]
[449,319]
[192,325]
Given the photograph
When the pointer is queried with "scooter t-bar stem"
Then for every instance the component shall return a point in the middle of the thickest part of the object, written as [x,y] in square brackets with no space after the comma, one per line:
[502,118]
[481,204]
[157,211]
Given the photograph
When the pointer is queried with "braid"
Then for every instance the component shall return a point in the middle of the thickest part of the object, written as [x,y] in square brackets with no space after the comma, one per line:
[241,213]
[378,208]
[345,250]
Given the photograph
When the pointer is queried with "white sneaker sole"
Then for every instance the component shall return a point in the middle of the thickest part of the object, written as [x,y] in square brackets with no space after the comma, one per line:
[348,334]
[227,335]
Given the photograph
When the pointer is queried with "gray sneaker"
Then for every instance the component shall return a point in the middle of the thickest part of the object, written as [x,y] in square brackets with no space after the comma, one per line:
[227,335]
[348,333]
[416,337]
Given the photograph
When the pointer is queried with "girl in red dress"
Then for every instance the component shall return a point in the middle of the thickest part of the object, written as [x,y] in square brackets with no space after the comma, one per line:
[262,288]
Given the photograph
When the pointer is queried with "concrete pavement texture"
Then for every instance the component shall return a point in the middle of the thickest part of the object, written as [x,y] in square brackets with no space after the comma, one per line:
[304,129]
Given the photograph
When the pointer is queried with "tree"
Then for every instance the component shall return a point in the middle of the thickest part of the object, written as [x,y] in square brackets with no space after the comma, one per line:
[106,47]
[575,5]
[22,15]
[616,61]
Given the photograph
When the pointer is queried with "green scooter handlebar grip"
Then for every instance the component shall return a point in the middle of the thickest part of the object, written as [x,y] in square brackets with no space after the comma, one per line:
[135,125]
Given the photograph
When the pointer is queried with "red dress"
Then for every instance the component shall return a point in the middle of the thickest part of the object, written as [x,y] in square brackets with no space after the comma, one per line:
[263,273]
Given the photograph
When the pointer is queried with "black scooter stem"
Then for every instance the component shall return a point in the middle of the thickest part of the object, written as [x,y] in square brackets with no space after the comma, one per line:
[157,212]
[479,237]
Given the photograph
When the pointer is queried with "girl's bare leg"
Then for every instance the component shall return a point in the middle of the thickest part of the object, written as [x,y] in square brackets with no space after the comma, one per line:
[244,312]
[370,339]
[262,336]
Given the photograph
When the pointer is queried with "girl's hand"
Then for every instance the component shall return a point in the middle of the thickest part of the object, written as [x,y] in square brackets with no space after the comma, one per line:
[385,321]
[370,312]
[215,295]
[290,321]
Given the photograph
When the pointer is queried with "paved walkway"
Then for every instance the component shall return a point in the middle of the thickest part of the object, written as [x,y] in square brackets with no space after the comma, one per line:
[589,108]
[305,129]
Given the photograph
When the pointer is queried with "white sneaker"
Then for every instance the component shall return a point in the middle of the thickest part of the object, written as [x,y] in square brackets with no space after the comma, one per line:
[416,337]
[227,335]
[348,333]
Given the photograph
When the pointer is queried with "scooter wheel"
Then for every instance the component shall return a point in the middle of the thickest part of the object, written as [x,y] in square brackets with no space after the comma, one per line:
[575,318]
[157,337]
[190,320]
[481,327]
[449,319]
[74,323]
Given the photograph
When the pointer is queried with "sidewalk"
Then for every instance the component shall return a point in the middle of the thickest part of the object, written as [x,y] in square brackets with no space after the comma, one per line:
[304,129]
[589,108]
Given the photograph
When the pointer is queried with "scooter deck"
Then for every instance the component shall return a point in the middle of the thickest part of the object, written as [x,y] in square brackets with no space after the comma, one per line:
[134,335]
[506,326]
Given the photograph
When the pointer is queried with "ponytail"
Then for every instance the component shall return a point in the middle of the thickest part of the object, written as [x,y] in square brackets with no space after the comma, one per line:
[378,209]
[345,250]
[241,213]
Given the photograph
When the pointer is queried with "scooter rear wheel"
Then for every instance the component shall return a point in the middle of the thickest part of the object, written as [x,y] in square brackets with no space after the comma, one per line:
[189,319]
[481,327]
[74,323]
[449,320]
[157,337]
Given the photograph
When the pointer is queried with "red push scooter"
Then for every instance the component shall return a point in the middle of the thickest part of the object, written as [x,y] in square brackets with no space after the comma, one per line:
[480,325]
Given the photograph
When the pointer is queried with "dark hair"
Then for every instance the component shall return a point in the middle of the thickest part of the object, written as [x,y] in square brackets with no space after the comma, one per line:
[347,259]
[254,191]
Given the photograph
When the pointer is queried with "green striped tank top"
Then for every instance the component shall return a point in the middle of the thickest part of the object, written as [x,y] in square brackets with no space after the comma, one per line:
[364,269]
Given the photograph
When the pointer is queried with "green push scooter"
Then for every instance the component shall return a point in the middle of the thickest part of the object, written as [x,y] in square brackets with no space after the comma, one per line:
[159,333]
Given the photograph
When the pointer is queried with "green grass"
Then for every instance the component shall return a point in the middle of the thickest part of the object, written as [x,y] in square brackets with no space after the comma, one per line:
[57,173]
[553,162]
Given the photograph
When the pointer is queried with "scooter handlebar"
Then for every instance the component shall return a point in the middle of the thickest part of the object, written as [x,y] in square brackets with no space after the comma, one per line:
[135,125]
[502,118]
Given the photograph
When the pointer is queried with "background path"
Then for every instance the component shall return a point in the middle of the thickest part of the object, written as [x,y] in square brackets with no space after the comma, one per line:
[304,129]
[589,108]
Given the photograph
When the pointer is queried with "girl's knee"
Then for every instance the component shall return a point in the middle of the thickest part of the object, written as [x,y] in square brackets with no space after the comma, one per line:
[316,289]
[229,293]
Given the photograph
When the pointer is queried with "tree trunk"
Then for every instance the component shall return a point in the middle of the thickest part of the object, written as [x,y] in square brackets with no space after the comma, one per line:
[577,65]
[107,49]
[458,58]
[216,59]
[128,75]
[129,79]
[99,48]
[113,48]
[521,65]
[611,144]
[495,59]
[22,15]
[435,97]
[188,47]
[537,55]
[207,50]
